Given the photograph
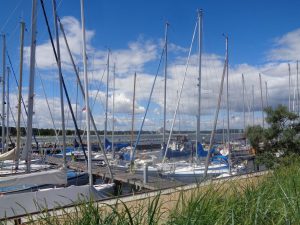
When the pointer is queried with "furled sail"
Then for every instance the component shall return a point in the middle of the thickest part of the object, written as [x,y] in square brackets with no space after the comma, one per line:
[9,155]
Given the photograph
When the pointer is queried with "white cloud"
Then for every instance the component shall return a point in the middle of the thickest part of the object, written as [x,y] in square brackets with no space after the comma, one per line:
[134,58]
[142,54]
[287,47]
[44,53]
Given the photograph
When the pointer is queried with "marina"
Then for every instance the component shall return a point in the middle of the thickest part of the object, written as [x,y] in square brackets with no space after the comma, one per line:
[109,125]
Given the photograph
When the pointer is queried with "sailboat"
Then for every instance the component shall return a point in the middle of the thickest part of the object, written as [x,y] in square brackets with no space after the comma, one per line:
[18,204]
[219,163]
[181,146]
[9,159]
[109,146]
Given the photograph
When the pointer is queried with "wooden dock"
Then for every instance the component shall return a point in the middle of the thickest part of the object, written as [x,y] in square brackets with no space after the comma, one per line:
[154,182]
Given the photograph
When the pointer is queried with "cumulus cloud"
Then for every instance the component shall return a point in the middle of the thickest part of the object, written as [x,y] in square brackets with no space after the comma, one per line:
[142,54]
[135,57]
[286,48]
[44,53]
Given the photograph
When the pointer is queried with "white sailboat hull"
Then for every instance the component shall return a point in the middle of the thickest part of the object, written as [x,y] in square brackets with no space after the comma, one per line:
[193,173]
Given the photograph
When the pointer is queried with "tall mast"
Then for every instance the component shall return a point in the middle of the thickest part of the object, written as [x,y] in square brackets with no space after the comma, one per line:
[28,146]
[262,101]
[3,91]
[113,114]
[267,101]
[106,101]
[244,107]
[227,106]
[7,108]
[165,85]
[252,105]
[20,93]
[223,132]
[212,136]
[133,107]
[200,24]
[180,93]
[83,93]
[86,95]
[298,94]
[132,126]
[76,104]
[289,87]
[294,100]
[60,83]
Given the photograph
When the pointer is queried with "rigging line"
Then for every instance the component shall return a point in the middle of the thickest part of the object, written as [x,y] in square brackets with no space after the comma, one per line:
[94,101]
[43,33]
[148,104]
[180,93]
[62,78]
[12,34]
[17,83]
[83,93]
[11,113]
[43,87]
[10,16]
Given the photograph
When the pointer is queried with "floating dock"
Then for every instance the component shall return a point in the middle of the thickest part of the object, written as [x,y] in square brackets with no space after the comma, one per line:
[123,176]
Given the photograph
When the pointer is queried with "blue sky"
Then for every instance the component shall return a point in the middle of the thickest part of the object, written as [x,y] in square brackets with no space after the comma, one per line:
[251,24]
[263,37]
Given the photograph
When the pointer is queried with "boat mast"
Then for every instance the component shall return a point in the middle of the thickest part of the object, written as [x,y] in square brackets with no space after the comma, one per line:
[227,106]
[180,93]
[20,94]
[113,114]
[200,25]
[28,146]
[252,105]
[7,108]
[289,87]
[83,93]
[298,94]
[244,107]
[87,105]
[106,101]
[133,111]
[3,92]
[132,125]
[212,136]
[262,101]
[76,105]
[165,85]
[60,83]
[223,132]
[63,83]
[266,85]
[294,100]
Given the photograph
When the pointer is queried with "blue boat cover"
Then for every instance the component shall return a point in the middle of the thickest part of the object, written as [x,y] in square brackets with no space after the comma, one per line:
[117,146]
[202,153]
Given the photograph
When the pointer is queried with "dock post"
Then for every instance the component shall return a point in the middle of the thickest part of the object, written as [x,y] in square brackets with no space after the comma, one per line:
[117,188]
[145,173]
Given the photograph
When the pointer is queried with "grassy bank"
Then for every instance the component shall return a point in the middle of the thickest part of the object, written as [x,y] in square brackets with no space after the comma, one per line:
[273,200]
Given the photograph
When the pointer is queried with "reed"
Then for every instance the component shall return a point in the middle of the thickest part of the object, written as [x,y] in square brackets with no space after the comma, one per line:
[273,200]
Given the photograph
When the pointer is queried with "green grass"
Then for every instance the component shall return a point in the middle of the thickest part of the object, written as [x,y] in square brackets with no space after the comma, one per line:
[274,200]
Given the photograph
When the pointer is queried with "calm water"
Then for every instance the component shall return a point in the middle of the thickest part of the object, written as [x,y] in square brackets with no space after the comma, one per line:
[145,138]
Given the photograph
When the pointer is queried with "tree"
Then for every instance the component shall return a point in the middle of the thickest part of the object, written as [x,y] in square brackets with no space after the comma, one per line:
[279,139]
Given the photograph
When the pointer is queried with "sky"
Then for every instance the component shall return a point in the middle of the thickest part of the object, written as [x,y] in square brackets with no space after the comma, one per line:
[264,37]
